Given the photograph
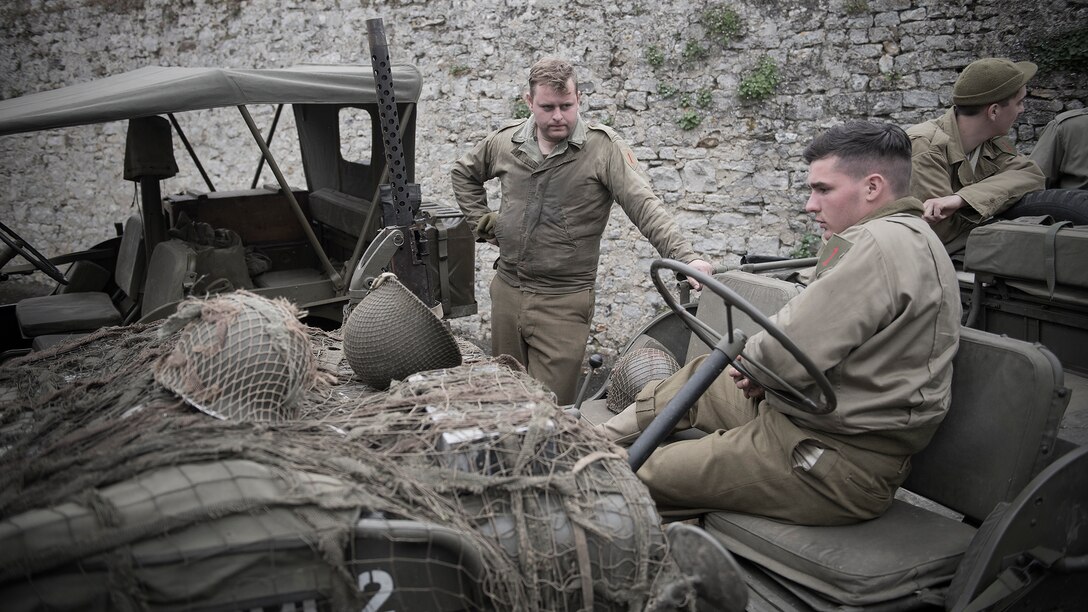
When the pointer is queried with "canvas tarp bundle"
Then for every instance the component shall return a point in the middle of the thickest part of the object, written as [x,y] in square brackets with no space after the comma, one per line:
[217,520]
[116,494]
[1053,254]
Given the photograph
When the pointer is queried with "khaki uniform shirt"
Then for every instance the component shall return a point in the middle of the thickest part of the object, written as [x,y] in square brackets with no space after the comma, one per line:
[1062,151]
[940,168]
[555,209]
[881,319]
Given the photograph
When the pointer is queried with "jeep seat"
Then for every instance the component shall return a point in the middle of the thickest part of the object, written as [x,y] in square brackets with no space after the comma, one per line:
[1007,401]
[64,313]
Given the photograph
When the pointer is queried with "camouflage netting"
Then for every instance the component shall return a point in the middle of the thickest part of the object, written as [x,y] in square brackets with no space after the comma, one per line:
[238,356]
[464,488]
[634,371]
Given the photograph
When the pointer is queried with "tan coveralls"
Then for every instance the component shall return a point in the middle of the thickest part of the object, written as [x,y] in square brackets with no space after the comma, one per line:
[1062,151]
[881,318]
[940,168]
[553,214]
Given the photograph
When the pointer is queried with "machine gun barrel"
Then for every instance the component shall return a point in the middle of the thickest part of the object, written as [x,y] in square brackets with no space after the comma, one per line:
[401,201]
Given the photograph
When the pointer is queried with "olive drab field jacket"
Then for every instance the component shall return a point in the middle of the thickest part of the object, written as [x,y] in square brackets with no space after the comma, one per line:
[554,211]
[881,318]
[940,168]
[1062,151]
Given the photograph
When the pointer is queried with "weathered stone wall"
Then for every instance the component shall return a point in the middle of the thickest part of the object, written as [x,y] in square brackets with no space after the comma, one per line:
[735,181]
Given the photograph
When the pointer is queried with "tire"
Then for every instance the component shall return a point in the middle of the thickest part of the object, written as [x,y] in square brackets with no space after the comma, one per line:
[1062,204]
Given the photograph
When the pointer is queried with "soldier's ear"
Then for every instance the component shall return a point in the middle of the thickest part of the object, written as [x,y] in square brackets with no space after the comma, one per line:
[875,187]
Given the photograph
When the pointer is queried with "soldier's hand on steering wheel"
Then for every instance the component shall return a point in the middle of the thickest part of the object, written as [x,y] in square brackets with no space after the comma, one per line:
[751,389]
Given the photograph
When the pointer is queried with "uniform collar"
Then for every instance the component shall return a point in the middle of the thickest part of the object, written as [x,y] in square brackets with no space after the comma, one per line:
[525,137]
[909,205]
[947,122]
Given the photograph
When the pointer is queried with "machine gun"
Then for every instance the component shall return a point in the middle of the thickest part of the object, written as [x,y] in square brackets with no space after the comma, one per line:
[401,247]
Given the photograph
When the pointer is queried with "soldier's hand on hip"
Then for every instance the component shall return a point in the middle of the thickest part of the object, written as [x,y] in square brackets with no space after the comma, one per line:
[485,227]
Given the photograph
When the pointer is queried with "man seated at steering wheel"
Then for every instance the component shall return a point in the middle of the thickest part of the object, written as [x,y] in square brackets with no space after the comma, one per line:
[880,317]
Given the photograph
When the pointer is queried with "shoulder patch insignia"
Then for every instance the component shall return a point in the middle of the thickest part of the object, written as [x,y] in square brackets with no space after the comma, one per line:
[1005,145]
[629,157]
[831,253]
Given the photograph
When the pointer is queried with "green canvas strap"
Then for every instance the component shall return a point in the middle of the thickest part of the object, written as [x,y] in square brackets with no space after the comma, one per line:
[1051,245]
[1033,564]
[444,269]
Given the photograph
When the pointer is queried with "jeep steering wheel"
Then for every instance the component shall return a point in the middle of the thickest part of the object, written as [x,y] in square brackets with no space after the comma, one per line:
[29,253]
[726,350]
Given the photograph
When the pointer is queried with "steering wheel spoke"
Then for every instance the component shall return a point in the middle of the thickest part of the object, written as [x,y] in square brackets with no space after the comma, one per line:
[29,253]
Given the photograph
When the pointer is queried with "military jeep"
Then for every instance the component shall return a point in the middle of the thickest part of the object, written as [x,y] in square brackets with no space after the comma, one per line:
[300,243]
[993,513]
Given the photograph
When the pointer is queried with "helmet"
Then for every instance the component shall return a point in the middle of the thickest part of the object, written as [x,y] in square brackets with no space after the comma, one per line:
[634,371]
[238,356]
[392,334]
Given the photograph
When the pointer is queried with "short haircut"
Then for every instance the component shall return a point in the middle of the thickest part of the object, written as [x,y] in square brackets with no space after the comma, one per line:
[864,148]
[553,72]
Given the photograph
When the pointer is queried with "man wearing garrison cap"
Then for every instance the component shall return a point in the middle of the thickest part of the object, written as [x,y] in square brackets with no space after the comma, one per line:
[965,168]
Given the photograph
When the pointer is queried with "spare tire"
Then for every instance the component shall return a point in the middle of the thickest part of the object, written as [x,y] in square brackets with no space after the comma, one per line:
[1061,204]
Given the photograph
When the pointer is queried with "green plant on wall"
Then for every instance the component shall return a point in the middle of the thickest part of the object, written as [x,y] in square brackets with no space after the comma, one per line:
[855,7]
[689,120]
[521,109]
[694,51]
[703,98]
[722,24]
[654,56]
[459,70]
[761,83]
[1066,52]
[807,247]
[666,90]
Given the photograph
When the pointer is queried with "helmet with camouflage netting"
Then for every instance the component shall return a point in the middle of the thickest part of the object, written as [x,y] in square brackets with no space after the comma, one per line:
[634,371]
[392,334]
[238,356]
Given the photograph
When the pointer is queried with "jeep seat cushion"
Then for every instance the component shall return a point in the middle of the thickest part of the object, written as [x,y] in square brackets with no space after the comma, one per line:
[65,312]
[907,549]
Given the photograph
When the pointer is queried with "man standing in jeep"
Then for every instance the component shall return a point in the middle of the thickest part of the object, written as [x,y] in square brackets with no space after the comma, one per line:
[966,170]
[559,177]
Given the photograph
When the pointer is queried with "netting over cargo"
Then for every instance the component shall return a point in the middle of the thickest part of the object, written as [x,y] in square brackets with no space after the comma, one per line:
[635,370]
[237,356]
[464,488]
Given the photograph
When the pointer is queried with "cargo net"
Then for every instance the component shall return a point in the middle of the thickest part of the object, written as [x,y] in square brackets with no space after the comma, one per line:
[238,356]
[464,488]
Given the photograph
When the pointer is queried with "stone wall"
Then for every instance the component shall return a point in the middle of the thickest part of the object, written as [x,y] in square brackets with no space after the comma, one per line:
[734,180]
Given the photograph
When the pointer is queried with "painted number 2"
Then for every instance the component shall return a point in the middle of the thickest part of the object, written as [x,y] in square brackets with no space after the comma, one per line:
[371,578]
